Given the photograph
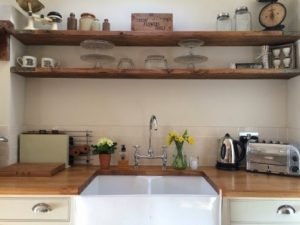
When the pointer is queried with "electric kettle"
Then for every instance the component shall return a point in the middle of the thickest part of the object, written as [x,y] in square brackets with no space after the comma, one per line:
[230,153]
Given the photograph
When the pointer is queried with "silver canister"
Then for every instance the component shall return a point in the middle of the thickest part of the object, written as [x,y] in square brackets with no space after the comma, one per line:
[224,22]
[242,19]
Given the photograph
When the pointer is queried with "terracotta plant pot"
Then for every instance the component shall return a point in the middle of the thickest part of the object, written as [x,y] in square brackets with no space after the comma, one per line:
[104,160]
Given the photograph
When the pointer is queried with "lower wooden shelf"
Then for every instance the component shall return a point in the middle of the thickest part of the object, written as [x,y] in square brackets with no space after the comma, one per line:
[111,73]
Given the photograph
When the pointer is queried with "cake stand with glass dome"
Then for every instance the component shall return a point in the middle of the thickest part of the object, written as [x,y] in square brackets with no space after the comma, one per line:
[97,46]
[190,60]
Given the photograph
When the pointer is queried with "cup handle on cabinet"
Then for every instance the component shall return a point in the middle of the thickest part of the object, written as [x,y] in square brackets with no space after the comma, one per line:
[41,208]
[286,210]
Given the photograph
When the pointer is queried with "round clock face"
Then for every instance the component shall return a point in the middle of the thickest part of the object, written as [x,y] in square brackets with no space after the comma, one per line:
[272,15]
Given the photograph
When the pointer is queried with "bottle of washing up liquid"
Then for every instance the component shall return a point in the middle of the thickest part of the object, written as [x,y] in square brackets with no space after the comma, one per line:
[123,162]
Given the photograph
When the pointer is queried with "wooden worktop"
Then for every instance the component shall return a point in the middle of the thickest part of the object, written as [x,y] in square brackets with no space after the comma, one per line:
[68,182]
[229,183]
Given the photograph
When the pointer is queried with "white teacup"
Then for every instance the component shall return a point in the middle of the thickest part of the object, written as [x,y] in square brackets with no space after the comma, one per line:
[287,62]
[47,62]
[276,52]
[276,63]
[286,51]
[27,61]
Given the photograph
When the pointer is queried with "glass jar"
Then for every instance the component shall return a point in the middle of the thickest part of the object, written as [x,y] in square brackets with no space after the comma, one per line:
[224,22]
[86,20]
[242,19]
[156,62]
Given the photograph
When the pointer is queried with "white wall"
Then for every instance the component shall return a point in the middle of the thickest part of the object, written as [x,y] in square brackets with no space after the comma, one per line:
[121,109]
[11,93]
[294,107]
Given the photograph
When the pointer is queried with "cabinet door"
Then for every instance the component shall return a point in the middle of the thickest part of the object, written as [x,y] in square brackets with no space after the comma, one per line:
[264,211]
[34,210]
[260,211]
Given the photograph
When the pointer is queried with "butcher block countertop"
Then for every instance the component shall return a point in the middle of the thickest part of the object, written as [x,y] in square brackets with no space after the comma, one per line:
[73,180]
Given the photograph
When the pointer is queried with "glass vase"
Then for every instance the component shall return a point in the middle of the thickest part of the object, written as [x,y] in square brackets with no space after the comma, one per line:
[179,162]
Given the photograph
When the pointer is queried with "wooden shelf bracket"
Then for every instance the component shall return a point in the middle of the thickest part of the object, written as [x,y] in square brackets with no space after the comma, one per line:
[4,40]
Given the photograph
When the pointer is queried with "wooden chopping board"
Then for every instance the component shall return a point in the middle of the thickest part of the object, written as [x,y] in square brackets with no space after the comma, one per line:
[32,169]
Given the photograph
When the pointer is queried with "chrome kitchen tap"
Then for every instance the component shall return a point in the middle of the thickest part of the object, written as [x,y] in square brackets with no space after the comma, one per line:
[150,155]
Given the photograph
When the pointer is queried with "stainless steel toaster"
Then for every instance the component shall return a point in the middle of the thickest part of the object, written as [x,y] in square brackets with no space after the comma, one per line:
[273,158]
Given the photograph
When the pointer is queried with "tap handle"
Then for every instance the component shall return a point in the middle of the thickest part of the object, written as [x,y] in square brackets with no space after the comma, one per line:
[136,147]
[164,147]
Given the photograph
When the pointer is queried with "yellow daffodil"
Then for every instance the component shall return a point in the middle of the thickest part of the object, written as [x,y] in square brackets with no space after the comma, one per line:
[190,140]
[175,137]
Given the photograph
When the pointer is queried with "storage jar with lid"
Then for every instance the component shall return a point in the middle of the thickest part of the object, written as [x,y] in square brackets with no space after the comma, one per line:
[224,22]
[242,19]
[86,21]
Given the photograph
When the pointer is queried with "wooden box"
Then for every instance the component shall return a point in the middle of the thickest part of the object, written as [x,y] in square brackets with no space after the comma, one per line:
[152,22]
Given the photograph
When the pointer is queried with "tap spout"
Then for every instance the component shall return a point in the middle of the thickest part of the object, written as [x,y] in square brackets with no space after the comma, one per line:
[152,125]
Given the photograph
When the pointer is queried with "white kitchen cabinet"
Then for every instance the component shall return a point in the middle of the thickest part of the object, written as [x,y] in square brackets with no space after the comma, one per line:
[260,211]
[35,210]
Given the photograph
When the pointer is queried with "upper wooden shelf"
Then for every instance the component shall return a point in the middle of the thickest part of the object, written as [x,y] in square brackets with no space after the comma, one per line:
[219,73]
[133,38]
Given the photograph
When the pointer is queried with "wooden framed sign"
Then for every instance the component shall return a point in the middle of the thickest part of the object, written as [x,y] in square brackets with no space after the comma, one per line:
[152,22]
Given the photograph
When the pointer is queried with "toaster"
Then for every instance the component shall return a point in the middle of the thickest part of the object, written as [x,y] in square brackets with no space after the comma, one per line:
[273,158]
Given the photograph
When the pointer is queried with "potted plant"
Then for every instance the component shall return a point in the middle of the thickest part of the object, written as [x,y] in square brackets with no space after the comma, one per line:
[104,148]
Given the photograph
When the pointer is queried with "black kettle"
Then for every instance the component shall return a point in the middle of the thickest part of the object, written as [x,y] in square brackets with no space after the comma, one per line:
[230,153]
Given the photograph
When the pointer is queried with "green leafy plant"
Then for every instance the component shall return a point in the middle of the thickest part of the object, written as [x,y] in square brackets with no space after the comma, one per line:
[104,146]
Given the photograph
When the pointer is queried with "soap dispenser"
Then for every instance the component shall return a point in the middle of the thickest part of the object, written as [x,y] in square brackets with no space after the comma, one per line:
[123,162]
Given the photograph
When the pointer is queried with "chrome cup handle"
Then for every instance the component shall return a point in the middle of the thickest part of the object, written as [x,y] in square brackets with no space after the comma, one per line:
[286,210]
[41,208]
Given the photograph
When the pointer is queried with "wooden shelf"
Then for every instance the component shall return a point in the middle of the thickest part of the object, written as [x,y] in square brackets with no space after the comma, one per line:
[131,38]
[157,74]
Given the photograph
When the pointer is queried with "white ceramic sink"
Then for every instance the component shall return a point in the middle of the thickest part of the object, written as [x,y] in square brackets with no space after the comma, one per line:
[148,200]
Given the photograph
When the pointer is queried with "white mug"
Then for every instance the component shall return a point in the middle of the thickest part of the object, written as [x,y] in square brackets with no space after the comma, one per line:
[48,62]
[27,61]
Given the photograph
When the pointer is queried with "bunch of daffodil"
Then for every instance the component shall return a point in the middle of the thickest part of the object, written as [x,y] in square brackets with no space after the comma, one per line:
[179,161]
[104,146]
[179,139]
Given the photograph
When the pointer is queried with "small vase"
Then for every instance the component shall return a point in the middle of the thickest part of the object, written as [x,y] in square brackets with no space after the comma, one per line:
[179,162]
[104,160]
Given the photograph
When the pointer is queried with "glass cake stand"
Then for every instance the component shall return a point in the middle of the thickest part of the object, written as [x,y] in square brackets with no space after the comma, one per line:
[191,59]
[97,47]
[98,60]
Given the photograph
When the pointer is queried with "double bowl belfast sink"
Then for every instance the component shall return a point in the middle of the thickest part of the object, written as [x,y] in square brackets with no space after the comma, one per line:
[148,200]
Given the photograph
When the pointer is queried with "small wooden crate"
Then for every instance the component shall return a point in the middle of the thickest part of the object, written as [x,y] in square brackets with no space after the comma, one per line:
[152,22]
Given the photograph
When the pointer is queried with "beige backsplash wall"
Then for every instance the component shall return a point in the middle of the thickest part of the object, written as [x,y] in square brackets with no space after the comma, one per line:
[121,109]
